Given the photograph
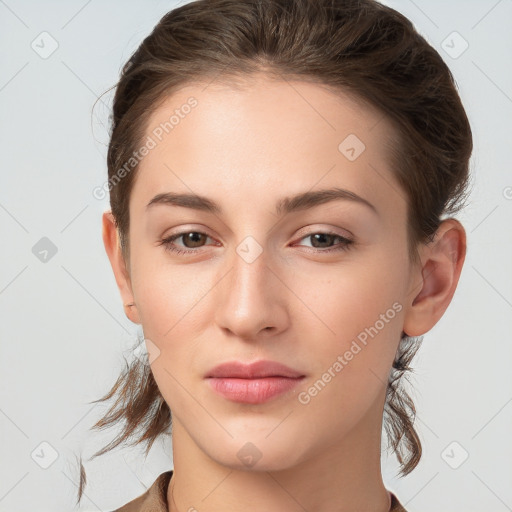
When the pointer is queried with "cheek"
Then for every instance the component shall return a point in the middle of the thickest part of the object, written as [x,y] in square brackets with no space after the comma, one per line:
[349,299]
[172,313]
[170,296]
[362,308]
[335,303]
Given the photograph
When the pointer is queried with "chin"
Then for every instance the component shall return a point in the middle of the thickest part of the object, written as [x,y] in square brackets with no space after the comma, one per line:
[256,452]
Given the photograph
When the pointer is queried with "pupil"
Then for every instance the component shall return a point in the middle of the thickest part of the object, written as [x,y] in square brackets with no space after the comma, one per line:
[322,238]
[194,238]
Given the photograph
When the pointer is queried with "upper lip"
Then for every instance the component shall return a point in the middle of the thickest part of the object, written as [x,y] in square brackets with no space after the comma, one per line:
[258,369]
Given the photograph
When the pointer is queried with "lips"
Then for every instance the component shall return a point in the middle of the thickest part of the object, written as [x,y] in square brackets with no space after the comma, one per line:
[258,369]
[253,383]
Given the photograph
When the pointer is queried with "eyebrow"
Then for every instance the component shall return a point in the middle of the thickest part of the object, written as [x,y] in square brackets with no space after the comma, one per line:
[284,206]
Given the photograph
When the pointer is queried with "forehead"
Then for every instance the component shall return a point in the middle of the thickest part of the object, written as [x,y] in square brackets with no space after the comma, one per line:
[262,132]
[269,103]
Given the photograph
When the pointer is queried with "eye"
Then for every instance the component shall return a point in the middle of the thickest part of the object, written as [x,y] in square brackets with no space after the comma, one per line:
[323,241]
[191,240]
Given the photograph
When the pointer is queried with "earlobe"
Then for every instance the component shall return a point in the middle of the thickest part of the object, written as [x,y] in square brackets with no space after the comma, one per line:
[438,276]
[118,263]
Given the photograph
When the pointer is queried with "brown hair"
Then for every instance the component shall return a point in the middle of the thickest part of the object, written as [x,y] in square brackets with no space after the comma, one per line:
[357,47]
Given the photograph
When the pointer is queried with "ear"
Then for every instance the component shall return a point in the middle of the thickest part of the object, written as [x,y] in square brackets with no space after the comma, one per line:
[117,261]
[435,280]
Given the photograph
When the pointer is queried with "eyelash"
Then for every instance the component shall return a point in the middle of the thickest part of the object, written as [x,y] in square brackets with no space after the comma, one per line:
[345,244]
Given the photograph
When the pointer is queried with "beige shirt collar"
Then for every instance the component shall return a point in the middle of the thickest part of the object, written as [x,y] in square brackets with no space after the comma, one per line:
[155,498]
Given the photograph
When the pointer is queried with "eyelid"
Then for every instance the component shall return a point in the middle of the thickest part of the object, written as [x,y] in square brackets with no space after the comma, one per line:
[182,230]
[311,230]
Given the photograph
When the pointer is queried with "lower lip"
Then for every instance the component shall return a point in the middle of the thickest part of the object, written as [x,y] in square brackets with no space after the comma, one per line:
[253,391]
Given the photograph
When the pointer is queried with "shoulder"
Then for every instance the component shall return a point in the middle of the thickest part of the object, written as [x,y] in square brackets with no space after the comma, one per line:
[153,500]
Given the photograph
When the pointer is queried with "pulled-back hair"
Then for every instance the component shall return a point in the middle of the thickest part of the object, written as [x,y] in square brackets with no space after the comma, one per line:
[356,47]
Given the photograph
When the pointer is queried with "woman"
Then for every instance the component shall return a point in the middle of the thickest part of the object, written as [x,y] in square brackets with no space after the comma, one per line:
[282,178]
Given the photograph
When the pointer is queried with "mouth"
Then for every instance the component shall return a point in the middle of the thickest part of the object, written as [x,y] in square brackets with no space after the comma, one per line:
[253,383]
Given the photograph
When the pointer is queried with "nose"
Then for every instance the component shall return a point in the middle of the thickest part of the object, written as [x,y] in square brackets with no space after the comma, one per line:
[252,299]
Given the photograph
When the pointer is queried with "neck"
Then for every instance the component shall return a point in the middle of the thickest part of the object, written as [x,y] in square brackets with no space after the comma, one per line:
[342,478]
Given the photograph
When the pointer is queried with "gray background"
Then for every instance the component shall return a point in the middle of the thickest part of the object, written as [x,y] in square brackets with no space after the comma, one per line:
[63,329]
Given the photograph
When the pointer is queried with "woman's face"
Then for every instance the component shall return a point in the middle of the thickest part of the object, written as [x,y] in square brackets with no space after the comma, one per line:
[271,269]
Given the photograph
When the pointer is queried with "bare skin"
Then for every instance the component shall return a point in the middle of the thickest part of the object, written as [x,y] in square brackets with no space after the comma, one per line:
[246,148]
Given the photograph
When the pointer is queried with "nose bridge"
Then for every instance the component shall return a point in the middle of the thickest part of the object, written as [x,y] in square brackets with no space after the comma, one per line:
[250,301]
